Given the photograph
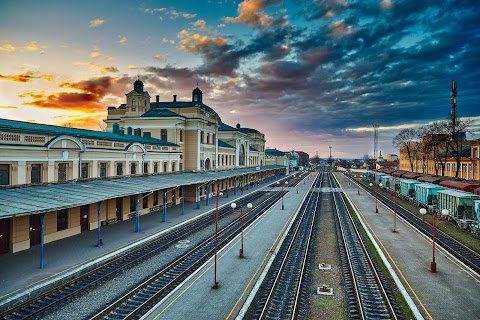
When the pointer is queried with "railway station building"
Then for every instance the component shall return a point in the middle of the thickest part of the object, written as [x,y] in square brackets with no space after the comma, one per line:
[56,182]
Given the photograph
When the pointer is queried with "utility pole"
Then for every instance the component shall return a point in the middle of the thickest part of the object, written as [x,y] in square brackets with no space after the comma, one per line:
[453,101]
[375,143]
[330,160]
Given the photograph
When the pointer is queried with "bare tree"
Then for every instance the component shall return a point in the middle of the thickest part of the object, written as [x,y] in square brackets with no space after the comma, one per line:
[438,138]
[457,131]
[369,161]
[425,147]
[316,160]
[407,138]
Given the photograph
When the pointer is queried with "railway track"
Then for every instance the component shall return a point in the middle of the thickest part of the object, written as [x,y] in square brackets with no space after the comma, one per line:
[368,294]
[284,294]
[34,307]
[141,299]
[466,255]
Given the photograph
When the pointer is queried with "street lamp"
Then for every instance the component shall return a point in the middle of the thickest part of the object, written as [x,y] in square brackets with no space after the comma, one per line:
[241,217]
[358,185]
[444,212]
[215,282]
[376,206]
[376,196]
[394,205]
[298,181]
[286,183]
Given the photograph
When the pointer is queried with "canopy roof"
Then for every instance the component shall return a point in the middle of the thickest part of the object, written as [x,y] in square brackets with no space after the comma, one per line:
[29,200]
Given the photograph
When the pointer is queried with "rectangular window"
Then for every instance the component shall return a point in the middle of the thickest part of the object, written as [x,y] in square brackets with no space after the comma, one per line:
[36,173]
[132,203]
[62,171]
[163,134]
[103,169]
[84,170]
[4,174]
[145,167]
[165,166]
[181,135]
[173,166]
[155,198]
[62,219]
[119,169]
[155,167]
[201,136]
[133,168]
[208,138]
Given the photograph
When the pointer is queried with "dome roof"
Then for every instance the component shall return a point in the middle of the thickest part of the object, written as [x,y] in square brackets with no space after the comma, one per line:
[138,86]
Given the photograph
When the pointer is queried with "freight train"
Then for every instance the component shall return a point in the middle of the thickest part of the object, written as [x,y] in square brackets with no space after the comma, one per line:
[460,197]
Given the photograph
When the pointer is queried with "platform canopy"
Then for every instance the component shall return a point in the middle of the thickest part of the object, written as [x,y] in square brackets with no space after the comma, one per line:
[28,200]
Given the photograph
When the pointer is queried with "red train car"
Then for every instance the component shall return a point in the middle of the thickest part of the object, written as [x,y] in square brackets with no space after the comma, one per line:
[412,175]
[431,179]
[461,185]
[399,173]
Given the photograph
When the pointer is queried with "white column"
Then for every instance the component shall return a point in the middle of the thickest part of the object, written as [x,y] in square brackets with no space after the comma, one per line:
[198,149]
[51,171]
[216,149]
[95,169]
[75,169]
[21,172]
[111,168]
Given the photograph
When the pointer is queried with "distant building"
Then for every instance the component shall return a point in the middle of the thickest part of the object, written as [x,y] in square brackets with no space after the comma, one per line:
[392,157]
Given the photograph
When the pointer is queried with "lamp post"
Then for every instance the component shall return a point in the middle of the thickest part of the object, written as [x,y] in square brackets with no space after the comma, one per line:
[394,205]
[286,182]
[215,282]
[376,196]
[444,212]
[358,185]
[241,217]
[298,181]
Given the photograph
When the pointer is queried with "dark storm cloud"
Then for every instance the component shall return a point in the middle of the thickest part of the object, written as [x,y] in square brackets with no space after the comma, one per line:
[349,65]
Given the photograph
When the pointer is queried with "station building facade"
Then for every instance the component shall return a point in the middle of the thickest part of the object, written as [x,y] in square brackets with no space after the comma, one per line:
[143,140]
[469,165]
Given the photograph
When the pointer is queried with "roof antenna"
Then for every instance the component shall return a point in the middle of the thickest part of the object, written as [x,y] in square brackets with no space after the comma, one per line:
[197,84]
[138,77]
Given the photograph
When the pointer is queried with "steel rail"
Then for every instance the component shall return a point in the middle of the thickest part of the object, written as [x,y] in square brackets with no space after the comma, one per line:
[372,299]
[142,298]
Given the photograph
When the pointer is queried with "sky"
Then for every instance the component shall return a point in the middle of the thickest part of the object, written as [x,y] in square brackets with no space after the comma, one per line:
[309,74]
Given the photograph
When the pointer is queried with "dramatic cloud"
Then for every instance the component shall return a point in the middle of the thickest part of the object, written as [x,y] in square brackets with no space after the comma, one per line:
[27,77]
[7,47]
[248,13]
[200,44]
[96,23]
[32,46]
[324,70]
[88,98]
[97,67]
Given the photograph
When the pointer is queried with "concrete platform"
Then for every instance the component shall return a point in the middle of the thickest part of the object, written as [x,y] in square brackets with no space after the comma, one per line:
[453,292]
